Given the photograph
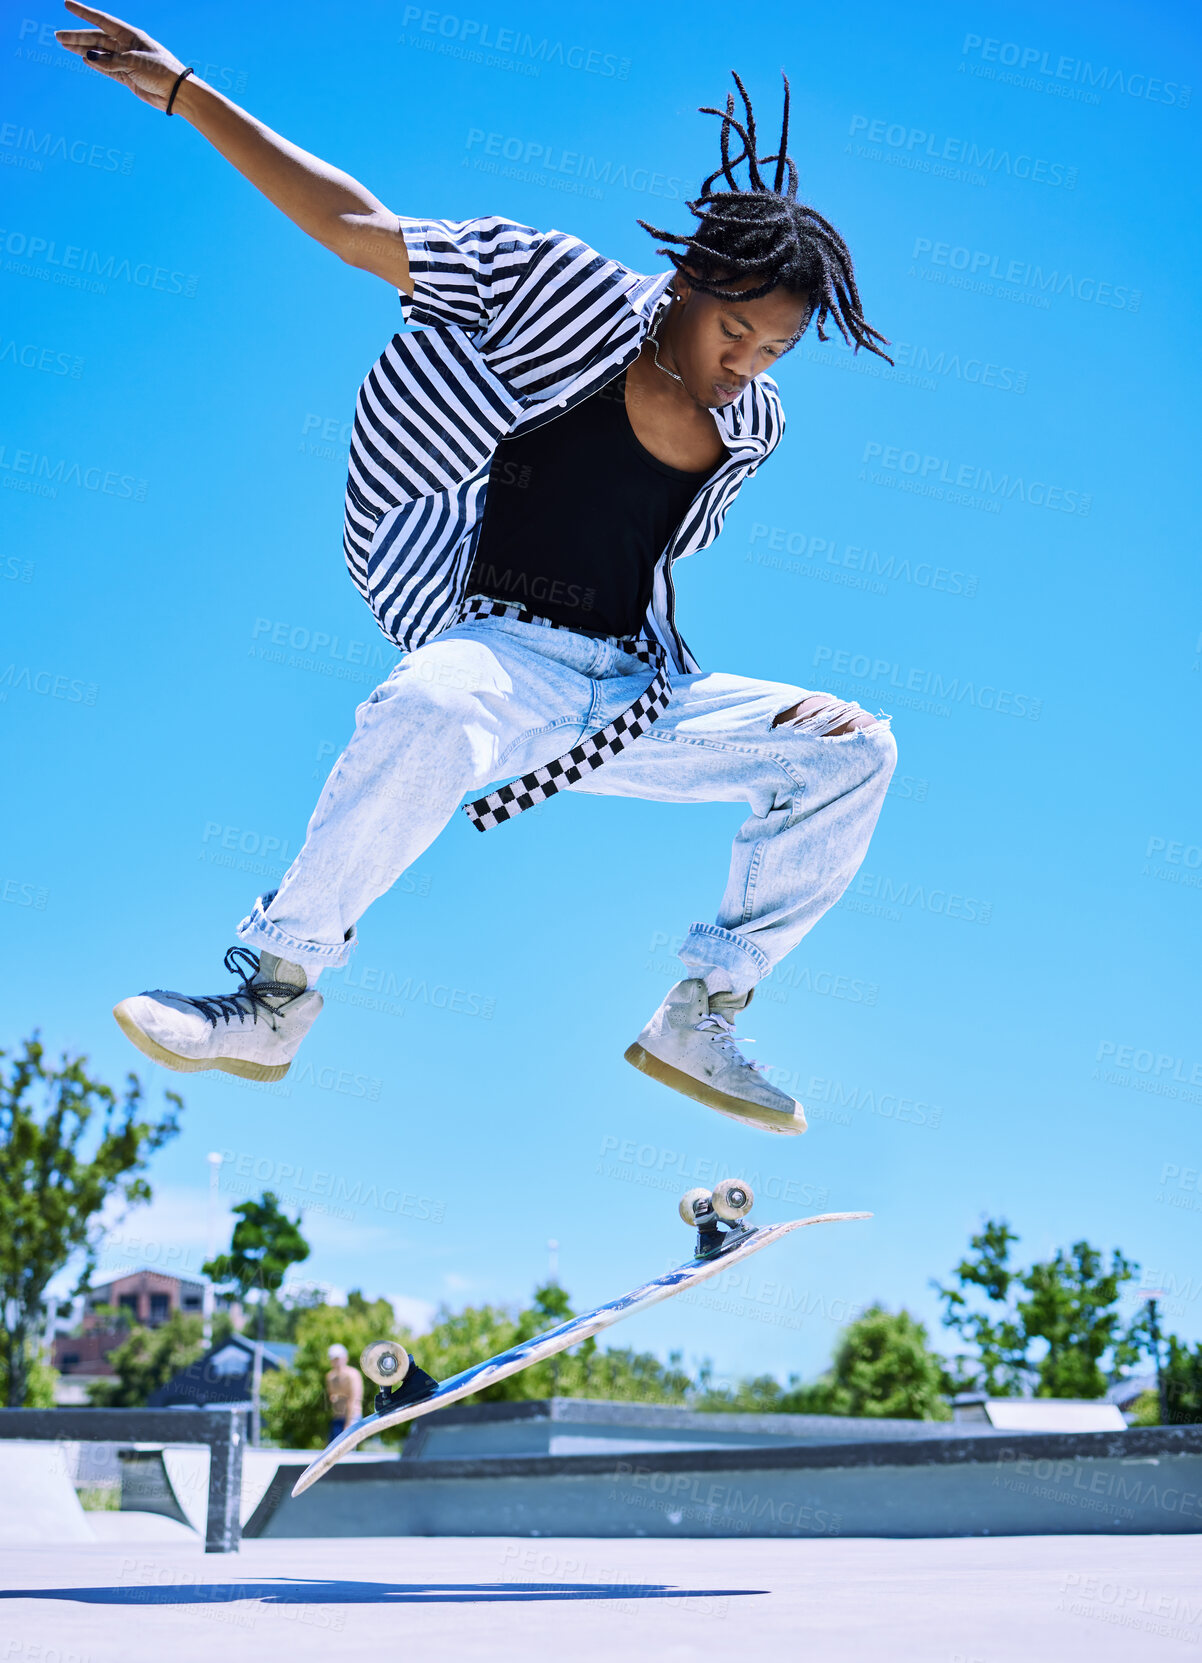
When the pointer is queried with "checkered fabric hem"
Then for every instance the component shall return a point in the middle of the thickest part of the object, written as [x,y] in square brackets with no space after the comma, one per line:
[583,759]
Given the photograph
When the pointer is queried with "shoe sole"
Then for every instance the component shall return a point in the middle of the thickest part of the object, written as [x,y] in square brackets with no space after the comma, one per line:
[191,1065]
[735,1108]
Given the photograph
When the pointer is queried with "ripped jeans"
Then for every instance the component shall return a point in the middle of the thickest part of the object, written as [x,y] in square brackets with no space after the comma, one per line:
[495,697]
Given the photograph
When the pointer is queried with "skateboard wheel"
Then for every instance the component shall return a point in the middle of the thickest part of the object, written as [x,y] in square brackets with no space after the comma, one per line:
[385,1362]
[733,1199]
[694,1206]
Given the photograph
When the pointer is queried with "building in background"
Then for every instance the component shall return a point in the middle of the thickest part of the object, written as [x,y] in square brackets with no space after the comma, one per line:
[109,1310]
[149,1296]
[225,1374]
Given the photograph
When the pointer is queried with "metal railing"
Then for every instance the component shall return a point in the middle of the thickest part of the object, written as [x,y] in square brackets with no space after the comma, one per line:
[221,1428]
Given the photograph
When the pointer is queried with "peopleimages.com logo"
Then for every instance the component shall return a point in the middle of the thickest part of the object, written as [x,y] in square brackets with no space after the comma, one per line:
[975,477]
[555,161]
[885,673]
[980,266]
[987,159]
[1037,66]
[72,263]
[476,36]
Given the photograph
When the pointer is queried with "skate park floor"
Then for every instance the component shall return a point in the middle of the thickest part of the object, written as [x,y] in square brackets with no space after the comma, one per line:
[1018,1599]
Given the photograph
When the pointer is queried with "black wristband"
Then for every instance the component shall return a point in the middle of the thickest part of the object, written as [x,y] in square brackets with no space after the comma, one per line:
[179,80]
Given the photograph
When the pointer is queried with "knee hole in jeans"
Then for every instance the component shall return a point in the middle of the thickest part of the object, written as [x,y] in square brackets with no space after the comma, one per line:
[825,717]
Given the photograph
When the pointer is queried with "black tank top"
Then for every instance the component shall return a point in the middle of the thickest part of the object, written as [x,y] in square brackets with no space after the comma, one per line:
[576,516]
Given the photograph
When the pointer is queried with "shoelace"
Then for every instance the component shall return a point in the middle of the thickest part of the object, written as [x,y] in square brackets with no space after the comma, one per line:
[248,1000]
[727,1040]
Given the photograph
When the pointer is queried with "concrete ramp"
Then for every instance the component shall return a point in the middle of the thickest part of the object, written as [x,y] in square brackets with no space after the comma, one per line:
[1145,1481]
[173,1481]
[595,1426]
[115,1527]
[221,1429]
[37,1498]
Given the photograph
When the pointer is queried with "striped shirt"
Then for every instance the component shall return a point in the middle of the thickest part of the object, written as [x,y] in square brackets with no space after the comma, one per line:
[519,325]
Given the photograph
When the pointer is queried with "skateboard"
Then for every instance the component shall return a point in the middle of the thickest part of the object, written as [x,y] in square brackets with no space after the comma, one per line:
[407,1391]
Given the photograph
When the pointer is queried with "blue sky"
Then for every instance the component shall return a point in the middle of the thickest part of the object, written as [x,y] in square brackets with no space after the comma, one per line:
[995,543]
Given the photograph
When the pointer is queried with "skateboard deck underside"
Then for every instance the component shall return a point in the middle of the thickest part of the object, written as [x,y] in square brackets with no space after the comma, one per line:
[555,1340]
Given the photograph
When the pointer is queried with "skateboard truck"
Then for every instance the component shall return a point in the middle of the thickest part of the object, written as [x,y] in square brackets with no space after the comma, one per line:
[727,1204]
[400,1379]
[414,1388]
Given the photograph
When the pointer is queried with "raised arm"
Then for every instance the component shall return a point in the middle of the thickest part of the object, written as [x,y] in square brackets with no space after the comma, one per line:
[326,203]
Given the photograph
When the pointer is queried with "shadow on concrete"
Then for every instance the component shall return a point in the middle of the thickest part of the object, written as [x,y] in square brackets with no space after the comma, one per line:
[371,1593]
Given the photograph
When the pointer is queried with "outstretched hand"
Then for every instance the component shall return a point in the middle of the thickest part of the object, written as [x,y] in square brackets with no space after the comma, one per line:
[123,53]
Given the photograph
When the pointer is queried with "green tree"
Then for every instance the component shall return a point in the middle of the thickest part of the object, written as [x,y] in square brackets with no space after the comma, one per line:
[282,1312]
[1182,1382]
[549,1308]
[1049,1329]
[265,1243]
[1145,1411]
[1000,1365]
[459,1340]
[1180,1388]
[762,1395]
[41,1383]
[146,1359]
[1072,1306]
[883,1367]
[624,1376]
[69,1145]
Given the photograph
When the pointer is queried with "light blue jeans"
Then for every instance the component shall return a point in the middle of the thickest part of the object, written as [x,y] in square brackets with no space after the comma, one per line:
[494,697]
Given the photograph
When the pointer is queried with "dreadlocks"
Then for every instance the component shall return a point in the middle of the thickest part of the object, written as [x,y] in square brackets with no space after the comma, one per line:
[767,232]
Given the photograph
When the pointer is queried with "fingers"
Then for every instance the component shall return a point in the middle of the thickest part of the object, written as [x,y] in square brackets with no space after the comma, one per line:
[102,52]
[105,57]
[104,20]
[91,41]
[123,33]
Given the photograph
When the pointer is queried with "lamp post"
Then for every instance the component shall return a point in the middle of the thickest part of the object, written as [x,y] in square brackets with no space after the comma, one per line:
[214,1160]
[1153,1295]
[256,1395]
[553,1279]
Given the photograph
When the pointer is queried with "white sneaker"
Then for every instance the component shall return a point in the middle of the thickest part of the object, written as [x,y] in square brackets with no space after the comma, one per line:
[690,1045]
[253,1032]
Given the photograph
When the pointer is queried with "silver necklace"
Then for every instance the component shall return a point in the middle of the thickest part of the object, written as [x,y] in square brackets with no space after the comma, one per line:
[655,349]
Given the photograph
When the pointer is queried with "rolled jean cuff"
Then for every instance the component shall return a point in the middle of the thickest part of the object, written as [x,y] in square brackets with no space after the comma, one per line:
[257,930]
[710,947]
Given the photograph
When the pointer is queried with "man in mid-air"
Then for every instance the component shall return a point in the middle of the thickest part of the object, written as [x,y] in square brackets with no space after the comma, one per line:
[526,469]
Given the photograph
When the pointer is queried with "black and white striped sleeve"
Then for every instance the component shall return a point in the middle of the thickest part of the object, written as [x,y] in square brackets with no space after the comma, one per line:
[465,270]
